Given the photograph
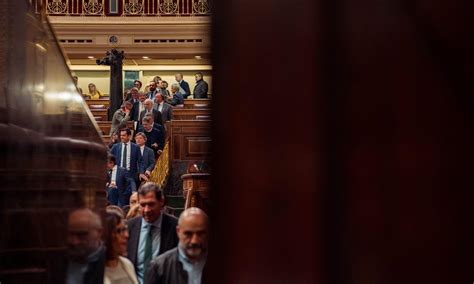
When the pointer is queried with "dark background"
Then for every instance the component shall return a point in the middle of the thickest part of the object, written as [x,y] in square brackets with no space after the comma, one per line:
[342,142]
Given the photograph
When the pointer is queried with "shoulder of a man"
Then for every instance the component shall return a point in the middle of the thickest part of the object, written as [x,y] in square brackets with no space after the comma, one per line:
[167,258]
[134,222]
[170,219]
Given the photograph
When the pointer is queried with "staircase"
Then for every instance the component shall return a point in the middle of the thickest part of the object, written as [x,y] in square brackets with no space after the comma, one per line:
[175,203]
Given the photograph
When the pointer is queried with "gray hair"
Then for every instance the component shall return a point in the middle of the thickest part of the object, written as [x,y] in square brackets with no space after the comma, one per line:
[141,134]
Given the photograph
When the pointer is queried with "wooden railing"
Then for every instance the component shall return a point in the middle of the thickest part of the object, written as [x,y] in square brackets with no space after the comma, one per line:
[124,7]
[160,173]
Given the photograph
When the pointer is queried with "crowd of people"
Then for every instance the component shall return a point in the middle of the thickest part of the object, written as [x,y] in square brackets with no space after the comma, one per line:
[151,108]
[174,94]
[147,246]
[137,241]
[134,151]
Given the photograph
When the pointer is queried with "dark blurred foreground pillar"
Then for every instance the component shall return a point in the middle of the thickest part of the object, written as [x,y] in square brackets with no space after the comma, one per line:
[342,142]
[52,158]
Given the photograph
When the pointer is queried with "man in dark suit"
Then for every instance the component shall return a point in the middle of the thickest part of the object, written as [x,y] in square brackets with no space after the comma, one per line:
[177,99]
[151,234]
[149,109]
[148,157]
[183,84]
[152,90]
[128,156]
[86,252]
[135,100]
[163,107]
[117,183]
[185,263]
[155,134]
[201,88]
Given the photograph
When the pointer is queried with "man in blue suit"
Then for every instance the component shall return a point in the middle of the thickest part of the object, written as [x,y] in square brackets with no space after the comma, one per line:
[183,84]
[117,182]
[148,157]
[128,156]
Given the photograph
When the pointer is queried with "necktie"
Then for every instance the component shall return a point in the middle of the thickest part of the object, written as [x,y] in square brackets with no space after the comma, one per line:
[124,158]
[148,250]
[109,176]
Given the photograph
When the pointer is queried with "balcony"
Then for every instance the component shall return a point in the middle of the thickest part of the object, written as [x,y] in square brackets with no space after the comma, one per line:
[124,8]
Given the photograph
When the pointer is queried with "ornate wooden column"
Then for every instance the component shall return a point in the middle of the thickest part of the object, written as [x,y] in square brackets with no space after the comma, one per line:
[196,187]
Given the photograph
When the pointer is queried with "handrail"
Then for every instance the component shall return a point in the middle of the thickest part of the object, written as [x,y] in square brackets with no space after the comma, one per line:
[160,173]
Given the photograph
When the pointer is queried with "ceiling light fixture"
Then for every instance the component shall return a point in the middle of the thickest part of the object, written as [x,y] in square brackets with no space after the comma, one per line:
[146,57]
[91,57]
[198,57]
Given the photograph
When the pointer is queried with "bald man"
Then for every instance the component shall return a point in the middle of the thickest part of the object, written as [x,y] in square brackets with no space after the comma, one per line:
[185,263]
[85,249]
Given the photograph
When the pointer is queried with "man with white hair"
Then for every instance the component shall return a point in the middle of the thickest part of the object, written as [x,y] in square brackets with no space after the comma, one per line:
[176,98]
[149,109]
[185,263]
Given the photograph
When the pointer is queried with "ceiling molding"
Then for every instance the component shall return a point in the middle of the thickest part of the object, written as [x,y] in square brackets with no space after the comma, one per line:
[205,20]
[169,37]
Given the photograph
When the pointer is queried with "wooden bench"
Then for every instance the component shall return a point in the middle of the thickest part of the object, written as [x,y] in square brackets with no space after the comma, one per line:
[191,114]
[197,103]
[99,114]
[98,104]
[106,139]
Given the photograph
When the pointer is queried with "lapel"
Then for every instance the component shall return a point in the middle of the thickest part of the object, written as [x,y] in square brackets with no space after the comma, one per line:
[134,239]
[164,230]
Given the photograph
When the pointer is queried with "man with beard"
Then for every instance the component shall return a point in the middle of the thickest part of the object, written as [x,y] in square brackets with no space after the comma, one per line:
[86,251]
[151,234]
[184,264]
[201,88]
[152,91]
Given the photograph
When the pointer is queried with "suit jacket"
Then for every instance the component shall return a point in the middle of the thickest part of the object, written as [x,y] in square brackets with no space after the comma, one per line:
[148,160]
[178,99]
[120,178]
[169,239]
[156,135]
[167,269]
[185,86]
[95,268]
[135,157]
[134,115]
[156,116]
[151,95]
[166,112]
[119,120]
[200,90]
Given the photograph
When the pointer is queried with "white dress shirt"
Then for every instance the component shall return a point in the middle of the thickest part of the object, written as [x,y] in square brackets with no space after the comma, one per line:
[127,159]
[113,177]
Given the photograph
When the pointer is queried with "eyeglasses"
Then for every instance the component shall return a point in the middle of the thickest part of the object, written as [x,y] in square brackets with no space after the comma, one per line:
[121,230]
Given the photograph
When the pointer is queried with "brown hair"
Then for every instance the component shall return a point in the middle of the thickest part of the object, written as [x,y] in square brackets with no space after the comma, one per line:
[112,219]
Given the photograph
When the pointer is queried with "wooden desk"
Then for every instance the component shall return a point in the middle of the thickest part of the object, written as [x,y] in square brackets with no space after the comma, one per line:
[191,114]
[197,103]
[106,125]
[98,104]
